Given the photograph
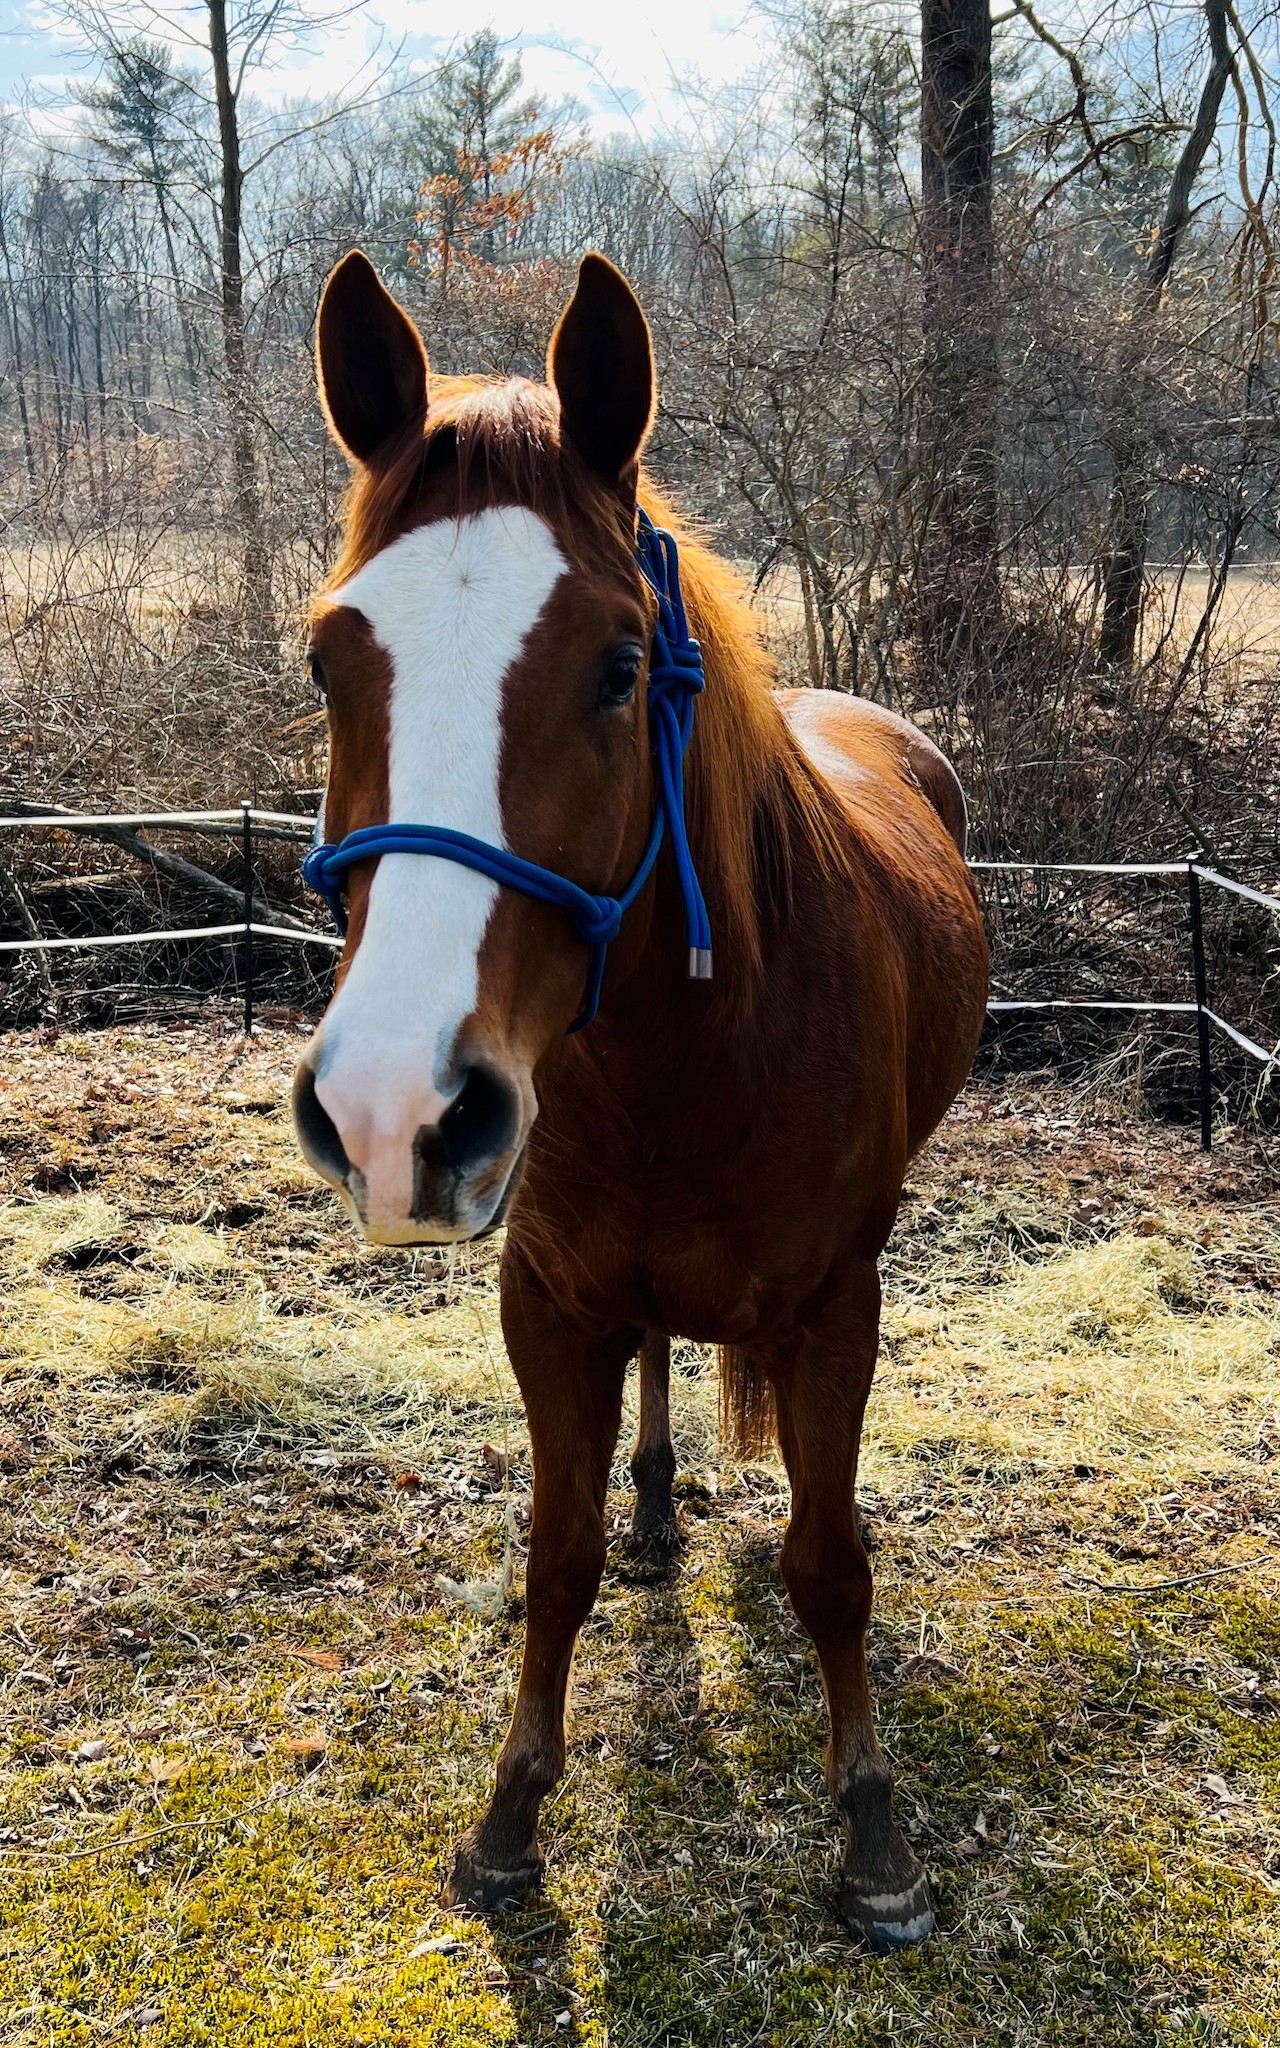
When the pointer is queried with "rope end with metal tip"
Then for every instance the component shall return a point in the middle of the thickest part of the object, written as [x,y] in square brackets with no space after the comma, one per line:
[700,963]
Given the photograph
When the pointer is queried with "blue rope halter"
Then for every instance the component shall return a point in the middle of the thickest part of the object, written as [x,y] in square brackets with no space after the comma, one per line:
[675,679]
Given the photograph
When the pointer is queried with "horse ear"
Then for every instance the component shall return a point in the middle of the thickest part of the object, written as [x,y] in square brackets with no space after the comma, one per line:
[601,364]
[370,360]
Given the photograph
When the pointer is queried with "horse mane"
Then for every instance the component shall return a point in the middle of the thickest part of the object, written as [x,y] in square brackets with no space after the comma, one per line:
[754,803]
[752,798]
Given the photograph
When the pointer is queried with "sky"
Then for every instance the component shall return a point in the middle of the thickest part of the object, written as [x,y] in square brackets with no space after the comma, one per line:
[632,66]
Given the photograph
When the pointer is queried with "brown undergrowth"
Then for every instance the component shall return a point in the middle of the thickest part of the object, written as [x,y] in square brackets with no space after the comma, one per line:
[243,1716]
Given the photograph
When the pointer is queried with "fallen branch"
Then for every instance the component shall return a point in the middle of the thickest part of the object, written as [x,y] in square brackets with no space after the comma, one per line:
[164,863]
[60,885]
[277,1793]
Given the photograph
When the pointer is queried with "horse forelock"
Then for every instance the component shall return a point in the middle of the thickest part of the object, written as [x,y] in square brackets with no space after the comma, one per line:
[483,442]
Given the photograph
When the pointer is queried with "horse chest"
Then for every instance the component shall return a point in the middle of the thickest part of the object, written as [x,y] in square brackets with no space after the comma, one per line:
[682,1253]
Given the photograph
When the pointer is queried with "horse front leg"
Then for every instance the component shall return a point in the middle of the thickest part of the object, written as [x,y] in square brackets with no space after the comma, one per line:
[653,1462]
[821,1389]
[572,1389]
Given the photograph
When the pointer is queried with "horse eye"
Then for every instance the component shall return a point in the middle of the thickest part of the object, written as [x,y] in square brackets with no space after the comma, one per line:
[318,677]
[621,671]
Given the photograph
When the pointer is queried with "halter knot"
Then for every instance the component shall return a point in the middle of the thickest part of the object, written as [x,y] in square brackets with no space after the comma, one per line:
[602,923]
[675,679]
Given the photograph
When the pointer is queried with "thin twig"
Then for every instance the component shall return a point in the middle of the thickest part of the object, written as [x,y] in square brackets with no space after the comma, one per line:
[1164,1585]
[9,884]
[173,1827]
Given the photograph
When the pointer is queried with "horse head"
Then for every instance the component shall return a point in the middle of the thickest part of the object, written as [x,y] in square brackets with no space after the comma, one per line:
[483,651]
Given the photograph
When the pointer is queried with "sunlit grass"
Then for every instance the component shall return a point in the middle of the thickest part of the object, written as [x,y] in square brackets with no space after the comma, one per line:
[244,1719]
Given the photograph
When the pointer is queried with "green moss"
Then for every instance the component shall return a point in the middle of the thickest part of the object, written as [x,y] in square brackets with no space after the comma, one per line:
[693,1854]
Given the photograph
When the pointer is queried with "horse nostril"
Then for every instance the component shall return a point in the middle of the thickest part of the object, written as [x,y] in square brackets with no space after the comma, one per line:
[317,1132]
[480,1123]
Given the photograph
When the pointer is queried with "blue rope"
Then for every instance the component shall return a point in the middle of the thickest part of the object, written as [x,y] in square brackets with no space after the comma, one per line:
[675,679]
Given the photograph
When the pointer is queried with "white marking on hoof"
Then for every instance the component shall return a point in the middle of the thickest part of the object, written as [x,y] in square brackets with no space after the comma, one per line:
[888,1920]
[884,1904]
[520,1876]
[903,1933]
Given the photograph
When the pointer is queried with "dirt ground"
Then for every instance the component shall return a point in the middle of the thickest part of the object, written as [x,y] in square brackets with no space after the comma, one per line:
[264,1502]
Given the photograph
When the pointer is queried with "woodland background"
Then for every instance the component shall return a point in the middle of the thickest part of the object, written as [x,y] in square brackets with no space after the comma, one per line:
[965,328]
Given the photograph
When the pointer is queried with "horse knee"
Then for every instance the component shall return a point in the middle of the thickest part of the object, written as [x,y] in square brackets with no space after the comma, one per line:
[563,1579]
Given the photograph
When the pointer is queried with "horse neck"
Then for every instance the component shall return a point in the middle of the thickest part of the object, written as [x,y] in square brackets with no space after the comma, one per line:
[749,808]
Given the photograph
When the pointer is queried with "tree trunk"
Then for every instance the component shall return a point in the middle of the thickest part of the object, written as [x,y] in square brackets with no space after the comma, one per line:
[19,373]
[260,619]
[1125,569]
[166,229]
[959,582]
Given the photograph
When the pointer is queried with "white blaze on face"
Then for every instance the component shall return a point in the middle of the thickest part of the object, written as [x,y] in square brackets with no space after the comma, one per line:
[451,605]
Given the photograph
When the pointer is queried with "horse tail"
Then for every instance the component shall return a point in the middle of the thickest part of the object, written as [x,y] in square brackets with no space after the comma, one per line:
[747,1416]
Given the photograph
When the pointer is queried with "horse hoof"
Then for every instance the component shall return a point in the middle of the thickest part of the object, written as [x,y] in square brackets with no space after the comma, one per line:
[653,1541]
[477,1887]
[889,1920]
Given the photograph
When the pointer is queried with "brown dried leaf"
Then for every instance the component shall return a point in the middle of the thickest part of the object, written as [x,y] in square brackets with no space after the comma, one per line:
[497,1465]
[308,1750]
[166,1770]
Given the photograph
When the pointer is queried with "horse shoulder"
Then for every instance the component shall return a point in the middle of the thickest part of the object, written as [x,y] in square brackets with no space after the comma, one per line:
[852,741]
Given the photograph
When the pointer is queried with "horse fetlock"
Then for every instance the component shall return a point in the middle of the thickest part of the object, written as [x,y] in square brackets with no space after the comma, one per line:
[522,1781]
[653,1468]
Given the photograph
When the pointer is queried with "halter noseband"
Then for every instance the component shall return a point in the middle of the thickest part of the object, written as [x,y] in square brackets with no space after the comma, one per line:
[675,679]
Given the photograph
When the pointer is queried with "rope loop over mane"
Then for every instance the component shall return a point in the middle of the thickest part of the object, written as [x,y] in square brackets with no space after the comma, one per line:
[675,681]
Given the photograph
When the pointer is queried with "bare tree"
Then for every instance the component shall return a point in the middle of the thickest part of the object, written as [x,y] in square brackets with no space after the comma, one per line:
[959,565]
[259,600]
[1130,492]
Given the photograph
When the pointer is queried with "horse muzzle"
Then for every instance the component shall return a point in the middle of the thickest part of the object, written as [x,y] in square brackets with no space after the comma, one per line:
[413,1165]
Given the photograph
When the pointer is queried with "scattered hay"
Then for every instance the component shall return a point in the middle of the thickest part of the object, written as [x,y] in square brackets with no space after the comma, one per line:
[239,1453]
[1114,1354]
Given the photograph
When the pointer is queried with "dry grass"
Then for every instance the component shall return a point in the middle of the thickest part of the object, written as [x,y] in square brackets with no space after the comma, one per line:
[239,1453]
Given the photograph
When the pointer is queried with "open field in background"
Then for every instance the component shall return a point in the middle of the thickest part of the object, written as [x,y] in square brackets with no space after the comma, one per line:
[1247,625]
[244,1717]
[165,574]
[164,569]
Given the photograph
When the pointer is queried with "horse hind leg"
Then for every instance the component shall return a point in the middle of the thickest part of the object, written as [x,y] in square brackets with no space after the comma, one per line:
[654,1533]
[821,1393]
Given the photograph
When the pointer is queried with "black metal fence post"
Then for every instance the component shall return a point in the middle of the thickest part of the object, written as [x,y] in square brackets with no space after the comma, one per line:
[246,847]
[1202,1015]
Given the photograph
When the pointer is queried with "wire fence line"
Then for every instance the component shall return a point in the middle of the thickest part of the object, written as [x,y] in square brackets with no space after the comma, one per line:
[1195,873]
[244,820]
[82,821]
[88,941]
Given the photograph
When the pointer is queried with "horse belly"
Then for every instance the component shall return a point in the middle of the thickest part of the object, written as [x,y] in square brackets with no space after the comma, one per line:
[905,804]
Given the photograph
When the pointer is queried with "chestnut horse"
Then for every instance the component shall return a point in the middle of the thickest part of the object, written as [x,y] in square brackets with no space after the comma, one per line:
[719,1159]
